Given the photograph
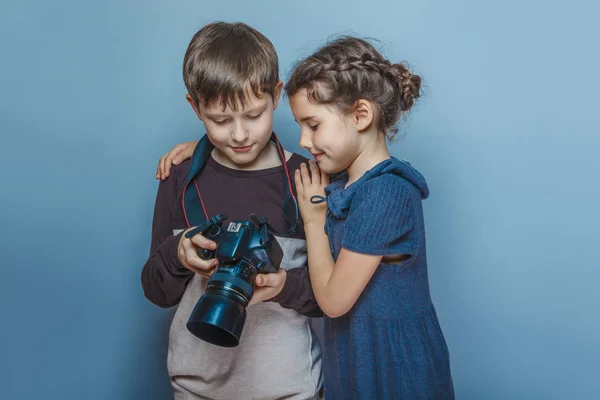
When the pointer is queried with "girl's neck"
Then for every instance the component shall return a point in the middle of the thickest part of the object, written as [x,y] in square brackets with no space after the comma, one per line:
[374,151]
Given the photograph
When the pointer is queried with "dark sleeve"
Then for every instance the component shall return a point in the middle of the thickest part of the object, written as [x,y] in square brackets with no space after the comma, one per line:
[297,293]
[164,278]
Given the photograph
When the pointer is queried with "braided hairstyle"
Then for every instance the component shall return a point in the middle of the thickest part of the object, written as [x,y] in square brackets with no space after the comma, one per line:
[348,69]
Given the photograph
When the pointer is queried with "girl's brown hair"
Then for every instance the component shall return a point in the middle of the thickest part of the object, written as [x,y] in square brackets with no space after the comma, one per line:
[348,69]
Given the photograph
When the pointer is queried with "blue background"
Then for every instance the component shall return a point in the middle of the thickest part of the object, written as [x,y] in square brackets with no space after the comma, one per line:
[91,95]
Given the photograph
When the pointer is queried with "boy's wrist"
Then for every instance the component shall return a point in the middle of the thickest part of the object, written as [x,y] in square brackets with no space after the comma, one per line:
[176,263]
[285,288]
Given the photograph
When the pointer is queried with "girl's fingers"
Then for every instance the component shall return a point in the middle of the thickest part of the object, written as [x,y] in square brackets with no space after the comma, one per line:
[158,169]
[298,181]
[304,172]
[162,166]
[324,179]
[314,172]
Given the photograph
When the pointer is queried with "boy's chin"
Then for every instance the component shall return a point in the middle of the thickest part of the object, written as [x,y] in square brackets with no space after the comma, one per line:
[244,160]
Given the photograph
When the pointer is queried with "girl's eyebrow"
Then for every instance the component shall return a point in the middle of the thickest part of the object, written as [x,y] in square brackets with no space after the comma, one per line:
[306,118]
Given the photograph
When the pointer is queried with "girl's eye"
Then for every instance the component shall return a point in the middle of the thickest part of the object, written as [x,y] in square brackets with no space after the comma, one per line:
[313,127]
[254,116]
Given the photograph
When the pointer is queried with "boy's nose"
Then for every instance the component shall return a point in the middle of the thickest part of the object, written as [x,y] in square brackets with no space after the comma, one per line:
[239,133]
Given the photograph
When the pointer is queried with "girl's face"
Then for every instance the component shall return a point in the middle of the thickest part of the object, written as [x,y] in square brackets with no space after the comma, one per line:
[332,138]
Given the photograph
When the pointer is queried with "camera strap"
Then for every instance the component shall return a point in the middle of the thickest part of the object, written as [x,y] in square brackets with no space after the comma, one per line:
[194,210]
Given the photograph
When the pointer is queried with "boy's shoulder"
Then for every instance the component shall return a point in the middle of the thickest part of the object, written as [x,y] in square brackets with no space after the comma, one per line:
[294,161]
[179,172]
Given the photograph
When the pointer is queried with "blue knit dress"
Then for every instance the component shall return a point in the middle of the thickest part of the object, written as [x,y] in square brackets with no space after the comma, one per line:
[389,345]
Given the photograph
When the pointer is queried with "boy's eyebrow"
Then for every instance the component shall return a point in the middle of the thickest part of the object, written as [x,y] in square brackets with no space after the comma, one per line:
[255,109]
[306,118]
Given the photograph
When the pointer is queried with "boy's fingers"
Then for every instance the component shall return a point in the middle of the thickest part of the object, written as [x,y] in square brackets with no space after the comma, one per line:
[270,280]
[201,266]
[260,280]
[264,280]
[201,272]
[203,242]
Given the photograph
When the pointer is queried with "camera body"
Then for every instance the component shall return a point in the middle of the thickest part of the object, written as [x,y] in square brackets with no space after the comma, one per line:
[244,250]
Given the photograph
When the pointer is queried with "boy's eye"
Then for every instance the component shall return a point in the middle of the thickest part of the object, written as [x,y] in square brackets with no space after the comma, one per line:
[254,116]
[313,127]
[220,122]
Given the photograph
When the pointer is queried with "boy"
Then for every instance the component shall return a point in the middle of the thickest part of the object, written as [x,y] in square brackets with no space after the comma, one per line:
[231,74]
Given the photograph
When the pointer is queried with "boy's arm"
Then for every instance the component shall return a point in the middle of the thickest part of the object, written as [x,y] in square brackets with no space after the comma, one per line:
[164,278]
[297,293]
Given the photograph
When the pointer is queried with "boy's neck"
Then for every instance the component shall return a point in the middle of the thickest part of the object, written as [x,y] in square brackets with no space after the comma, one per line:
[267,158]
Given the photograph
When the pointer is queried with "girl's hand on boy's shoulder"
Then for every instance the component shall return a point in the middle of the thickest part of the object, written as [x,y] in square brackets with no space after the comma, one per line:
[310,181]
[178,153]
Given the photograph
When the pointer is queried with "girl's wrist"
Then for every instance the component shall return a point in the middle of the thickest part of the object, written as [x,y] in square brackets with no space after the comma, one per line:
[314,223]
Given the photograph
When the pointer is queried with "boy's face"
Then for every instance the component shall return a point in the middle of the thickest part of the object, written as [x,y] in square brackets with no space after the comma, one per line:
[240,136]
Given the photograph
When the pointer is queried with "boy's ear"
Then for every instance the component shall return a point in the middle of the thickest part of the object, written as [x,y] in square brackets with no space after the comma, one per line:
[277,94]
[363,114]
[194,105]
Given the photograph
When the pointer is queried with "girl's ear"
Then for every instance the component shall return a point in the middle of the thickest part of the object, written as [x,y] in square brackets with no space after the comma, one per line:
[363,114]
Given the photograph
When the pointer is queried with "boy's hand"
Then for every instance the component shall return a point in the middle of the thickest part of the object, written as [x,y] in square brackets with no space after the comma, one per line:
[186,251]
[308,186]
[268,286]
[178,153]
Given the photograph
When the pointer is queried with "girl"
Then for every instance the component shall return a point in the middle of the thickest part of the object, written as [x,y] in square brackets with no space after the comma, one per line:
[365,231]
[368,267]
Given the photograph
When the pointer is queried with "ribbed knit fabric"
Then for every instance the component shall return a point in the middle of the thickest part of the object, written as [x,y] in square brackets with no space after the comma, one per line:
[389,345]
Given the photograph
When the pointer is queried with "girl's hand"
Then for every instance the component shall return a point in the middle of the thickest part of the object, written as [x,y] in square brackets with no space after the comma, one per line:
[178,153]
[308,186]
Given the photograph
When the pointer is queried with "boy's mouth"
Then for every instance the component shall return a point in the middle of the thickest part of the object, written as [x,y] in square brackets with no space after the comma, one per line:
[242,149]
[317,156]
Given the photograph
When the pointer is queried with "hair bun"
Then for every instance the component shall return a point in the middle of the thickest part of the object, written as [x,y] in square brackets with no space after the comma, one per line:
[409,83]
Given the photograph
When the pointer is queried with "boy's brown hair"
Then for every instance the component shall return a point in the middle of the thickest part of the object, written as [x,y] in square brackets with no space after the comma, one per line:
[226,60]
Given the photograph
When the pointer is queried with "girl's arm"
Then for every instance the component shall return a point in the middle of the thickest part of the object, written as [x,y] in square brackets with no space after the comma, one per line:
[336,285]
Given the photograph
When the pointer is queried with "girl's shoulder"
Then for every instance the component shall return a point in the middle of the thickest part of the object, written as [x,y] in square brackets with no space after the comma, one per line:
[387,189]
[394,176]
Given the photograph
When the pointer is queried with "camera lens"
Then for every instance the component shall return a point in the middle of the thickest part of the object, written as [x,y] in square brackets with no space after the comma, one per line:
[219,315]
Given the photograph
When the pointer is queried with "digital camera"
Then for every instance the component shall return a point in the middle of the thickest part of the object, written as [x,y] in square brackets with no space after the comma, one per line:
[244,250]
